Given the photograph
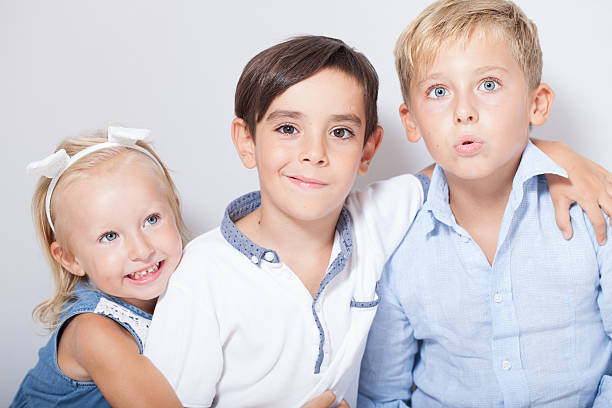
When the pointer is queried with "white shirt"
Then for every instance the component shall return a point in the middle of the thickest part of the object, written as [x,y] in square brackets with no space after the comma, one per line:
[237,328]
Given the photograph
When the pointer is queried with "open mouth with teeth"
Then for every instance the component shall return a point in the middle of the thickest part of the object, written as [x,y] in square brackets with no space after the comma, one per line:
[146,274]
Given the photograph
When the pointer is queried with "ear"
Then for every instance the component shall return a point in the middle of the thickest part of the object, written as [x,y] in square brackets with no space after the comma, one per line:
[66,259]
[541,101]
[369,149]
[409,124]
[244,142]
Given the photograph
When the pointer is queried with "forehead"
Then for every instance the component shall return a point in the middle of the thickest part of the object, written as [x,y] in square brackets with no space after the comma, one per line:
[128,182]
[327,92]
[482,46]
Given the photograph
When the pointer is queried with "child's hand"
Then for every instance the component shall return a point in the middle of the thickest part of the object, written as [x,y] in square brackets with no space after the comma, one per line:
[589,185]
[324,400]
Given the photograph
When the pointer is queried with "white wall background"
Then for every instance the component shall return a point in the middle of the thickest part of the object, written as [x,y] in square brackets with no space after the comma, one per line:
[68,66]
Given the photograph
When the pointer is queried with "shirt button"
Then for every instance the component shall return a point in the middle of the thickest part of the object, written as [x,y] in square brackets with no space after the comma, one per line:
[506,365]
[269,256]
[498,298]
[254,259]
[465,238]
[318,307]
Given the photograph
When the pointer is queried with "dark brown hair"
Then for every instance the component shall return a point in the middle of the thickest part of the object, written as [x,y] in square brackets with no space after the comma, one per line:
[276,69]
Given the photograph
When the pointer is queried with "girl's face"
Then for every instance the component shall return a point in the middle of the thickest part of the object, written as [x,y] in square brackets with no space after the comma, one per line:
[119,230]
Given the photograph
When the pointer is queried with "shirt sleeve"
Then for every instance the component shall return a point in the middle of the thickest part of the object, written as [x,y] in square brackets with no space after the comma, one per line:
[184,343]
[383,211]
[604,300]
[386,368]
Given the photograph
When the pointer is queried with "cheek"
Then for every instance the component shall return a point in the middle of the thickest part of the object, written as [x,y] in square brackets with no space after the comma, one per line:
[430,115]
[171,241]
[274,155]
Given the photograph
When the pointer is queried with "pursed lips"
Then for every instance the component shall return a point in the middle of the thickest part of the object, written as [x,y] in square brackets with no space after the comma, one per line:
[468,145]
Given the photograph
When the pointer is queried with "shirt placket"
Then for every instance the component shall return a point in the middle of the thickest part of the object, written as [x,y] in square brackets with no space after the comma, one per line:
[505,346]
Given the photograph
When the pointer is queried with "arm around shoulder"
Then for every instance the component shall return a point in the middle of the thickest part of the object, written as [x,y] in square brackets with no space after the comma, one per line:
[110,356]
[588,184]
[385,210]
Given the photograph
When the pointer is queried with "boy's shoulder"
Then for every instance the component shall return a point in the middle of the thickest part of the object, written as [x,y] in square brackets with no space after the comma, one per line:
[400,192]
[207,248]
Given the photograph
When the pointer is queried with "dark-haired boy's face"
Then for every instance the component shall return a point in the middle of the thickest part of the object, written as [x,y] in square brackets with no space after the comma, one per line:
[310,146]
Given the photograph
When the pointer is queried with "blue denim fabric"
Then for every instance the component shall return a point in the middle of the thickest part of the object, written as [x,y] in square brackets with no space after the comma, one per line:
[531,330]
[45,385]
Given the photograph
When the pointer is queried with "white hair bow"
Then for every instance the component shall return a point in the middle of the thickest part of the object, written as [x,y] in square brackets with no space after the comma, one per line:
[127,136]
[55,164]
[50,166]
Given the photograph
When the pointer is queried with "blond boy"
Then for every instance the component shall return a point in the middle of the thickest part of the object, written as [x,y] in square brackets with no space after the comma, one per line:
[484,303]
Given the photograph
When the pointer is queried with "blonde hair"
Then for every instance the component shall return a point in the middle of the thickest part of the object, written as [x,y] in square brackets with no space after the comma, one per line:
[456,20]
[48,312]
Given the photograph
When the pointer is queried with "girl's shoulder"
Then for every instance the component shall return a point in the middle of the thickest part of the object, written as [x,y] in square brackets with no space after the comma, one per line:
[96,327]
[96,308]
[88,338]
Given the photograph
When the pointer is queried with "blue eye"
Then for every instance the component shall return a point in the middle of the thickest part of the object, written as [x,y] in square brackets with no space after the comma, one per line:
[152,219]
[437,92]
[341,133]
[109,236]
[287,129]
[489,85]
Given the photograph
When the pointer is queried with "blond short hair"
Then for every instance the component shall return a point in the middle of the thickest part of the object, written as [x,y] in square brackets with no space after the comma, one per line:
[48,312]
[456,20]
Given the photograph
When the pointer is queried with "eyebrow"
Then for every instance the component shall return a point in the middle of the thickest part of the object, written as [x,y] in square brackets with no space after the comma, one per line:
[354,119]
[284,114]
[491,68]
[479,71]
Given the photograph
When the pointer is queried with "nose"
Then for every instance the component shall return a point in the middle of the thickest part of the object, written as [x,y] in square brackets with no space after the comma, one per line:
[140,247]
[465,111]
[313,150]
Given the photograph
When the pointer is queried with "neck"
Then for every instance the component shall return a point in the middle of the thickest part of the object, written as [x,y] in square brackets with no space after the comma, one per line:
[146,305]
[303,245]
[486,195]
[479,205]
[288,236]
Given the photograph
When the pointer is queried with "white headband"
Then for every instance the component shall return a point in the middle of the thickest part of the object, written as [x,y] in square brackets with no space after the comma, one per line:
[56,164]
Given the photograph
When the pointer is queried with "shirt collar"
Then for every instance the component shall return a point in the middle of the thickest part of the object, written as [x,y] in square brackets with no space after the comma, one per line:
[246,204]
[533,163]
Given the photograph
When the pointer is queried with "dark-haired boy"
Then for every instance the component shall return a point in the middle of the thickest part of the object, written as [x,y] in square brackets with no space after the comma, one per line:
[273,308]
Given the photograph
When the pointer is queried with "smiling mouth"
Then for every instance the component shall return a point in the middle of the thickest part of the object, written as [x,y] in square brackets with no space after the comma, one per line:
[307,182]
[140,275]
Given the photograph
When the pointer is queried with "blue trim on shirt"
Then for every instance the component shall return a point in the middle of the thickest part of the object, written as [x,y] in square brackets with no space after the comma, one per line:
[237,209]
[372,303]
[246,204]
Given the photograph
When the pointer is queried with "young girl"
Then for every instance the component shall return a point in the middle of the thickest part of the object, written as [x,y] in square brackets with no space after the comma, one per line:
[108,216]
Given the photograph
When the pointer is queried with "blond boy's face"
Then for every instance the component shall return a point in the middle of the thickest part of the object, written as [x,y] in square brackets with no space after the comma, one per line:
[310,146]
[472,107]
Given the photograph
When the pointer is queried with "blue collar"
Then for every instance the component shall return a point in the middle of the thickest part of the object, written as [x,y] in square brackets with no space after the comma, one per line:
[533,163]
[246,204]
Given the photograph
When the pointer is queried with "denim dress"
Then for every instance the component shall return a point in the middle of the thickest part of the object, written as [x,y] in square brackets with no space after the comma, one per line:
[46,386]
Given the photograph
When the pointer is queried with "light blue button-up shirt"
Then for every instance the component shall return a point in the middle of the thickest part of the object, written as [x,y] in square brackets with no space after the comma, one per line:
[531,330]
